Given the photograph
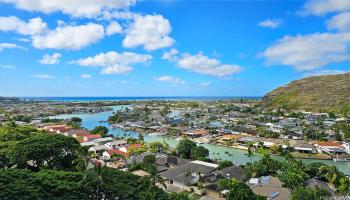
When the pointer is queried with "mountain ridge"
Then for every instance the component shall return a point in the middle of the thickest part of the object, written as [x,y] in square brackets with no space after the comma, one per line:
[317,93]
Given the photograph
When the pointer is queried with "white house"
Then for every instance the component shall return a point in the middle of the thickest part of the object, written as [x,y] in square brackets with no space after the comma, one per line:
[116,144]
[274,128]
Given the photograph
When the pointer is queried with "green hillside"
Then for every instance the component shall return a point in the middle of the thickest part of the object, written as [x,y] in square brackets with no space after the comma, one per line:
[318,93]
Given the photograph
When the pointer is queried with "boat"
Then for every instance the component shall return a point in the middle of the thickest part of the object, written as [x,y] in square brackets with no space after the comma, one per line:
[340,160]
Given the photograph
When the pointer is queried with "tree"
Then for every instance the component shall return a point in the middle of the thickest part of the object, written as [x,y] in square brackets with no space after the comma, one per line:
[344,186]
[156,147]
[224,163]
[76,119]
[199,153]
[236,189]
[301,193]
[53,151]
[266,166]
[293,173]
[45,184]
[102,130]
[184,148]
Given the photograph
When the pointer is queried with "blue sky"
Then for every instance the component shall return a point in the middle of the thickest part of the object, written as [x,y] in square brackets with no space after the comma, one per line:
[168,48]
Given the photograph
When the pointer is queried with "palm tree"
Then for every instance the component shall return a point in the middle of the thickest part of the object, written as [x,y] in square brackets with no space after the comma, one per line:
[250,153]
[93,179]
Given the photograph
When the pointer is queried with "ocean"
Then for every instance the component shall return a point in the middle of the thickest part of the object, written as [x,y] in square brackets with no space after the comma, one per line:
[175,98]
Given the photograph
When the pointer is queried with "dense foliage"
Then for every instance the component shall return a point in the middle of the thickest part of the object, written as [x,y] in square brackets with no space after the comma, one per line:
[236,190]
[189,150]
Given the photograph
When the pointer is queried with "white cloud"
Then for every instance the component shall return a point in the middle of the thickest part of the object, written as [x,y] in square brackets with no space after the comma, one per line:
[86,76]
[309,52]
[202,64]
[150,31]
[270,23]
[7,66]
[76,8]
[206,84]
[43,76]
[69,37]
[113,28]
[321,7]
[123,15]
[170,55]
[170,79]
[339,22]
[324,72]
[10,46]
[113,62]
[50,59]
[22,39]
[34,26]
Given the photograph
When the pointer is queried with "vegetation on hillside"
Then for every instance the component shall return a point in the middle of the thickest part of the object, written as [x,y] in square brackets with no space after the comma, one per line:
[319,93]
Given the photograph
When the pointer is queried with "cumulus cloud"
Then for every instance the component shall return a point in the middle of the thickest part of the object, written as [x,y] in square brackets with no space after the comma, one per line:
[76,8]
[309,52]
[113,62]
[7,66]
[324,72]
[72,37]
[206,84]
[86,76]
[270,23]
[113,28]
[321,7]
[170,79]
[201,64]
[340,22]
[44,76]
[150,31]
[69,37]
[34,26]
[10,46]
[50,59]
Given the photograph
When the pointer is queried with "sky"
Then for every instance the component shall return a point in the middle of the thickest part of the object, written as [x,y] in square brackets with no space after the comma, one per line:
[168,48]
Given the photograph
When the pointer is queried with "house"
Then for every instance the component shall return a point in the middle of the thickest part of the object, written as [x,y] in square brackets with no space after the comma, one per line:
[346,146]
[127,148]
[116,144]
[270,187]
[87,144]
[76,132]
[196,133]
[305,148]
[329,147]
[90,137]
[274,128]
[57,128]
[247,140]
[188,174]
[109,153]
[102,141]
[138,158]
[98,149]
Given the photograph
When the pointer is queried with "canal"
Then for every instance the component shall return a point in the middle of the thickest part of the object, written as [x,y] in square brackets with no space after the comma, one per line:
[237,156]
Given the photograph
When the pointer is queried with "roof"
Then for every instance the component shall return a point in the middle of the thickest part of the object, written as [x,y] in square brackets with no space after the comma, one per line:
[105,139]
[230,136]
[140,173]
[116,151]
[91,136]
[231,172]
[327,143]
[271,186]
[197,132]
[117,142]
[186,173]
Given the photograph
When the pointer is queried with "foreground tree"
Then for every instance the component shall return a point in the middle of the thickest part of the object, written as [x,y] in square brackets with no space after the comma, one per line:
[51,151]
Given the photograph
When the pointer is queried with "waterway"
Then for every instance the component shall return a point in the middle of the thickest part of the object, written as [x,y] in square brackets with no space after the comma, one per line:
[237,156]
